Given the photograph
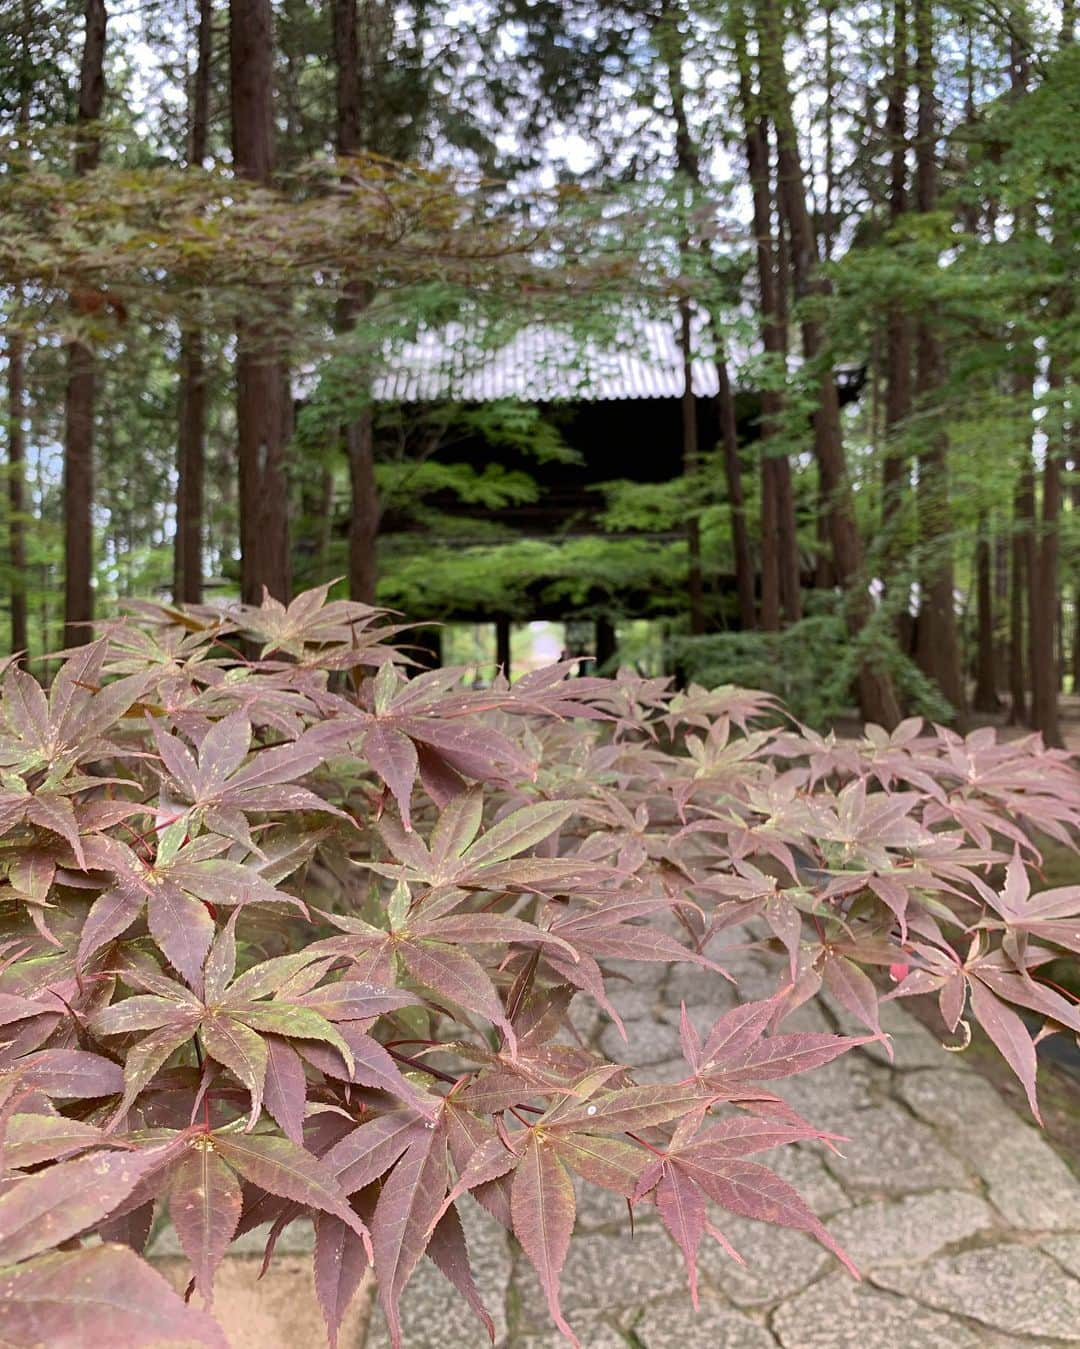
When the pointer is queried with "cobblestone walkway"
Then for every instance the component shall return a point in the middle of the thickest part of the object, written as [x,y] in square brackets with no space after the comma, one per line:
[962,1218]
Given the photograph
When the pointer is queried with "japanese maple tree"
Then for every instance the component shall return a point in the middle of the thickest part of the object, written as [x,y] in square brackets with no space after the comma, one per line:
[296,934]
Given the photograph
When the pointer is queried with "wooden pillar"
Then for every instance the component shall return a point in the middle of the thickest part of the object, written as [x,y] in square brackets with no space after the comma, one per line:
[502,645]
[606,641]
[428,647]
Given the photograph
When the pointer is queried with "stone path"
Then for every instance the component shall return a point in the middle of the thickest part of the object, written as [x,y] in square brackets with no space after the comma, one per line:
[962,1218]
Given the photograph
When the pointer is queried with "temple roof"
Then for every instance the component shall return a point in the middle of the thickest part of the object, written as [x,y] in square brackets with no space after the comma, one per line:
[544,363]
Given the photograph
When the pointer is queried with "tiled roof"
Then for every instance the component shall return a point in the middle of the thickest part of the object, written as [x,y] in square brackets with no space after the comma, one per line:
[543,363]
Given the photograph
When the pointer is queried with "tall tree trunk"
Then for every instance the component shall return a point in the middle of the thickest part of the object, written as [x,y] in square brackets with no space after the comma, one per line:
[191,445]
[46,573]
[1043,580]
[790,572]
[16,354]
[1062,656]
[1001,606]
[1045,679]
[187,553]
[349,134]
[688,164]
[1022,558]
[694,580]
[895,472]
[16,488]
[325,535]
[263,408]
[877,701]
[358,434]
[937,647]
[1075,660]
[776,495]
[770,544]
[740,537]
[82,366]
[986,696]
[364,515]
[787,529]
[827,221]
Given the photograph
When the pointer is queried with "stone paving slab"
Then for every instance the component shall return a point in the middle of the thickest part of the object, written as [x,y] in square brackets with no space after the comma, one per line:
[278,1311]
[1066,1251]
[1015,1289]
[433,1313]
[675,1325]
[606,1273]
[841,1314]
[910,1230]
[889,1152]
[594,1333]
[1025,1179]
[963,1220]
[779,1262]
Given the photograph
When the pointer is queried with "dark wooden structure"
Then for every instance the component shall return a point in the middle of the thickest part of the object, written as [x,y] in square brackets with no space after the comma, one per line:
[619,409]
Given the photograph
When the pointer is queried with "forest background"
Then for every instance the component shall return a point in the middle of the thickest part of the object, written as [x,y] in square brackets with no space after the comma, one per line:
[217,219]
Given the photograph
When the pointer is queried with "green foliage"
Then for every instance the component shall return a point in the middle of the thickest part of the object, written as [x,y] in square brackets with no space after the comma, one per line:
[437,223]
[527,576]
[402,483]
[659,506]
[810,665]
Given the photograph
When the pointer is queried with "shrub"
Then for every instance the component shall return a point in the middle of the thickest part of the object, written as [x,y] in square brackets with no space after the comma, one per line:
[292,934]
[810,665]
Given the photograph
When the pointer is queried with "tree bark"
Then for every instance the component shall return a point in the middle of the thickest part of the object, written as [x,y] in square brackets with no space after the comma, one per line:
[1075,662]
[191,445]
[364,513]
[740,537]
[827,220]
[1001,606]
[1022,557]
[16,493]
[769,620]
[694,579]
[187,556]
[1062,658]
[81,390]
[358,434]
[16,354]
[1045,680]
[937,647]
[777,499]
[689,170]
[347,57]
[895,471]
[325,522]
[689,165]
[986,695]
[1044,598]
[877,701]
[787,528]
[91,87]
[263,406]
